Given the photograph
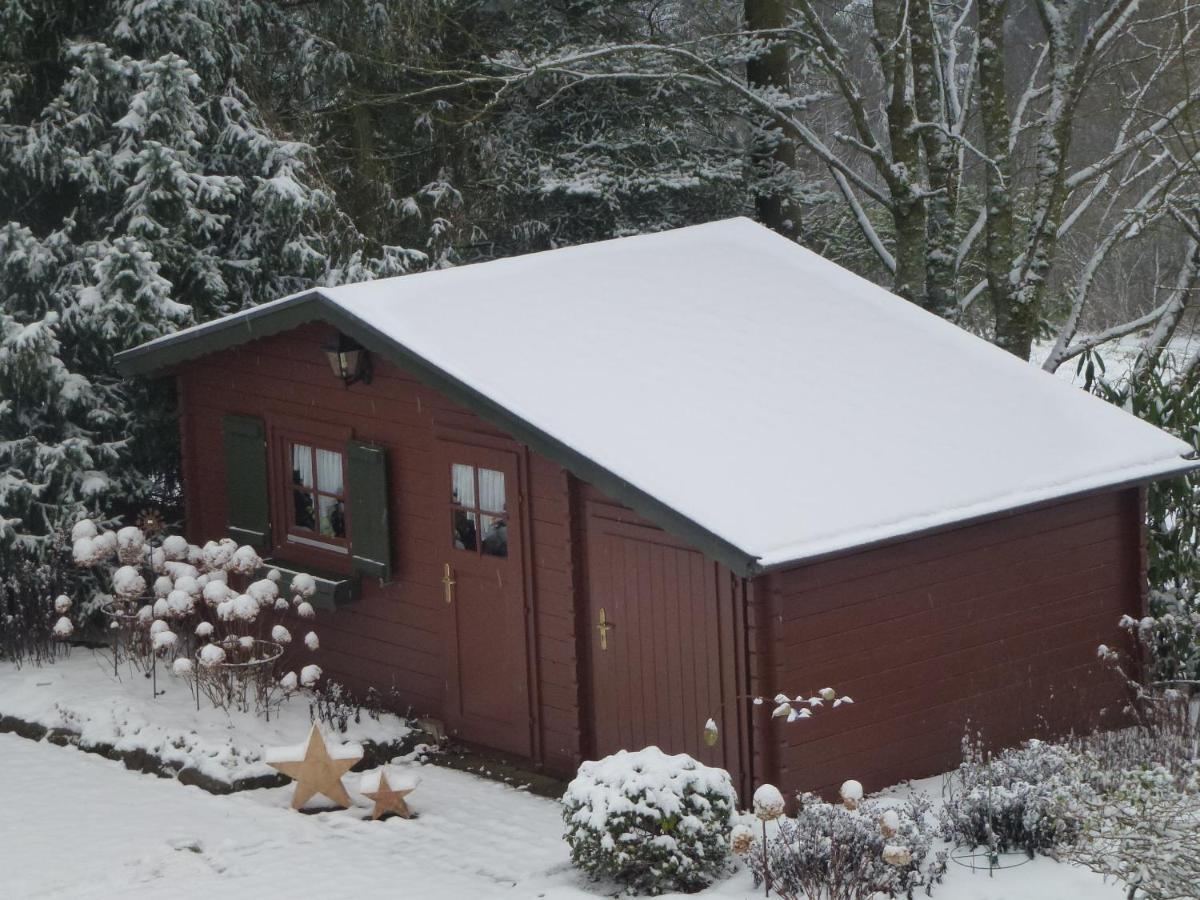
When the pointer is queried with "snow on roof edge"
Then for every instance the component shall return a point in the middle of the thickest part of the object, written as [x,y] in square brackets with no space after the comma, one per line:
[811,550]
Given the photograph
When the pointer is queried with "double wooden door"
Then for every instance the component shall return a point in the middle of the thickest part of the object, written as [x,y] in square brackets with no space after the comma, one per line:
[479,533]
[660,644]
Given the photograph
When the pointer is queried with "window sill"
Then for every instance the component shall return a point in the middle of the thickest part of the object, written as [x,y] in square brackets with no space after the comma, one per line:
[333,589]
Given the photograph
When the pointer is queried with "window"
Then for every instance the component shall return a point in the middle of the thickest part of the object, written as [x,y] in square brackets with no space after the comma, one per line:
[318,497]
[478,510]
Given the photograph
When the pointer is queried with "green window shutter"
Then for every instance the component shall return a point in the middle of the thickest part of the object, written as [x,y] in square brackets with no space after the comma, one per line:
[249,517]
[370,533]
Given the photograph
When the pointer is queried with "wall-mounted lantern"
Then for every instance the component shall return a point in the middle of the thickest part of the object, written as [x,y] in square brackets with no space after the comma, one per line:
[349,360]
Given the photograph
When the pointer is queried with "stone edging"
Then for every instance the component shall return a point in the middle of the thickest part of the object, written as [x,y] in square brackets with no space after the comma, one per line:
[374,754]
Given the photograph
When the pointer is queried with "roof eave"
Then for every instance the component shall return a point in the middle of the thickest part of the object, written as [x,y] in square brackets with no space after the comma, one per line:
[1184,466]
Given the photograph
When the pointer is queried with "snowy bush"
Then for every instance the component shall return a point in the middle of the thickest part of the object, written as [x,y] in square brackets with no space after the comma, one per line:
[1170,636]
[34,607]
[236,636]
[1144,830]
[854,850]
[1016,800]
[650,822]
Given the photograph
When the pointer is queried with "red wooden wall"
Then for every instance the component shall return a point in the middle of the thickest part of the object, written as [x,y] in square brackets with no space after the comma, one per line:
[393,635]
[995,623]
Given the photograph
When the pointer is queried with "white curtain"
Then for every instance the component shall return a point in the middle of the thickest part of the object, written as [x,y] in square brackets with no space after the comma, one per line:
[302,464]
[462,480]
[491,491]
[329,471]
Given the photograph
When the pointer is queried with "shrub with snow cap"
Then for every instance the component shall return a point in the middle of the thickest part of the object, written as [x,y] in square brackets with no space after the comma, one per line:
[84,528]
[218,554]
[62,604]
[246,561]
[106,542]
[650,822]
[311,641]
[264,591]
[204,630]
[216,592]
[189,585]
[305,610]
[245,608]
[179,570]
[289,682]
[175,548]
[182,666]
[281,635]
[851,793]
[310,675]
[128,583]
[163,585]
[86,552]
[304,585]
[131,544]
[179,604]
[63,628]
[768,802]
[211,655]
[164,640]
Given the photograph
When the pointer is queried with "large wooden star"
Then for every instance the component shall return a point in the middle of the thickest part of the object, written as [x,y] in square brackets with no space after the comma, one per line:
[317,771]
[387,798]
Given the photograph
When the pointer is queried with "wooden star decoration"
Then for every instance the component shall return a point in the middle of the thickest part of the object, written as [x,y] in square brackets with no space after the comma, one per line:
[389,799]
[317,771]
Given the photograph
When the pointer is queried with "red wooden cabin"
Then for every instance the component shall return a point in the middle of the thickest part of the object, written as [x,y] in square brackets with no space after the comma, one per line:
[589,498]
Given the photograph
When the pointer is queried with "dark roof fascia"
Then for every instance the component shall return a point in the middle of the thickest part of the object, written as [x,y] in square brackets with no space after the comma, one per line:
[260,321]
[1187,466]
[314,306]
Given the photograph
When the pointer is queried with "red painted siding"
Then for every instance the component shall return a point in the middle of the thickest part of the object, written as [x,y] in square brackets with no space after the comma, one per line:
[995,624]
[393,636]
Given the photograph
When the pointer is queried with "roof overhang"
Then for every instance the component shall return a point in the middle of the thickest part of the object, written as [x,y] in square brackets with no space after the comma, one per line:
[159,356]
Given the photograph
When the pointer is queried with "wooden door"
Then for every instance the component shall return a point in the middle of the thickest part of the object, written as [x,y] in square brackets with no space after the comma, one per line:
[659,647]
[479,535]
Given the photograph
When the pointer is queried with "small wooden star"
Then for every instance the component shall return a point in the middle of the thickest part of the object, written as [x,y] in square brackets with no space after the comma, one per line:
[318,771]
[388,799]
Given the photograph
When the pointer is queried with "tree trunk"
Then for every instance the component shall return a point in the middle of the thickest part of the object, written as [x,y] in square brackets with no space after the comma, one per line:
[941,162]
[908,206]
[1014,329]
[773,155]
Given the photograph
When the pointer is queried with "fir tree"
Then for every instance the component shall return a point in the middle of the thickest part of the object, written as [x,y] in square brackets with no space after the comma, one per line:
[140,190]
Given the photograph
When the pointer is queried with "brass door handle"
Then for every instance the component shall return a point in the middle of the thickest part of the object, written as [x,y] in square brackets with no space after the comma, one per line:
[604,627]
[448,583]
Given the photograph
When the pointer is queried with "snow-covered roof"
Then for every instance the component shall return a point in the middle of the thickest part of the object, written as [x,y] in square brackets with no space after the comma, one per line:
[738,384]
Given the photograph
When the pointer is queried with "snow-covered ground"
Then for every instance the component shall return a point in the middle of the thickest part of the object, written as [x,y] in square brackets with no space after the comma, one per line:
[78,825]
[81,694]
[75,824]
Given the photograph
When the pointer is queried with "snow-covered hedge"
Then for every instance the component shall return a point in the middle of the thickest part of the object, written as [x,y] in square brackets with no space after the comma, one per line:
[855,850]
[650,822]
[1021,799]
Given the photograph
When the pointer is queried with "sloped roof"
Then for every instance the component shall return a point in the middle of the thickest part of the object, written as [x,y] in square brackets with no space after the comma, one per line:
[733,387]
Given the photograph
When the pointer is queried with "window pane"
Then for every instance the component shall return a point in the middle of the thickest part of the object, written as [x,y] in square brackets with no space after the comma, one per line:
[302,503]
[462,481]
[329,471]
[463,528]
[495,535]
[333,516]
[302,472]
[491,491]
